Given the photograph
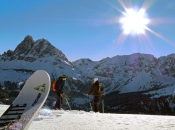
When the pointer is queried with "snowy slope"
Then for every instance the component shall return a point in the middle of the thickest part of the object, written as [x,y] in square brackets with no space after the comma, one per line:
[81,120]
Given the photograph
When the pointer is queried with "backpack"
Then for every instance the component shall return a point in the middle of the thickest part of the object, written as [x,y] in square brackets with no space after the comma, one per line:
[57,85]
[100,88]
[54,85]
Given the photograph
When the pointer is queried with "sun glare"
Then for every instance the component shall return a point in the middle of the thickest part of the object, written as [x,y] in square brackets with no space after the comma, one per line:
[134,22]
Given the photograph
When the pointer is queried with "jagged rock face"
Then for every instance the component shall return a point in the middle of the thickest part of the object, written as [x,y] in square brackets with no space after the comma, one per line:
[120,71]
[30,50]
[82,62]
[25,46]
[167,65]
[43,48]
[9,53]
[125,65]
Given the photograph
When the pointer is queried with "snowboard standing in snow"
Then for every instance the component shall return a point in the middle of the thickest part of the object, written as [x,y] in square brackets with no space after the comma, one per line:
[25,107]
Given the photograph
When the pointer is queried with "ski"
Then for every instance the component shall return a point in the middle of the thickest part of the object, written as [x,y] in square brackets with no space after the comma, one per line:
[25,107]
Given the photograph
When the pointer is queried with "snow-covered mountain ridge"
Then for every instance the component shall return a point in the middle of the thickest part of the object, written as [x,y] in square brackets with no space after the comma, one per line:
[131,73]
[136,73]
[34,55]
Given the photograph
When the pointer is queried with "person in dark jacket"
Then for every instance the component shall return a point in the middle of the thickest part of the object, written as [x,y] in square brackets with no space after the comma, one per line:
[60,83]
[94,91]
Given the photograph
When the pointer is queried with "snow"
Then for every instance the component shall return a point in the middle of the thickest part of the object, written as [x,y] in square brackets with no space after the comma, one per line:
[81,120]
[11,75]
[162,92]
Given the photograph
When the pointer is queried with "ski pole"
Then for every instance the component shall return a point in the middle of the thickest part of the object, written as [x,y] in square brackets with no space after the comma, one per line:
[67,101]
[68,104]
[90,103]
[103,105]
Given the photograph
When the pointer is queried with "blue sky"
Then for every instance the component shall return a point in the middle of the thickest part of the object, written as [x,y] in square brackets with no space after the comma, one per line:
[88,28]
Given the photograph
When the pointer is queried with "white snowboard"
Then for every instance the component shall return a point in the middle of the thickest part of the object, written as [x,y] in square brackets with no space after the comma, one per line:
[25,107]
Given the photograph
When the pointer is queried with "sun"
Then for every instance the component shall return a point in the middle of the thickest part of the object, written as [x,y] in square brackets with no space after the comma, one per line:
[134,22]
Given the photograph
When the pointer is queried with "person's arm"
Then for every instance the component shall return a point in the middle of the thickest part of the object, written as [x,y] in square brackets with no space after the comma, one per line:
[91,90]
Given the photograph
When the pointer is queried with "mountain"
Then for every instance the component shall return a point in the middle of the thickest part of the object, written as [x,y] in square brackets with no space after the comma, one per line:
[131,73]
[16,66]
[136,83]
[32,55]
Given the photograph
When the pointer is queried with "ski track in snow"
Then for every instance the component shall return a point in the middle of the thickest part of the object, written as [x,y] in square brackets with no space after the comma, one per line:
[81,120]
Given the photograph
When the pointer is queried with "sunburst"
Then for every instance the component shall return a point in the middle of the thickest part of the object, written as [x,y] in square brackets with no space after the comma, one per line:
[134,22]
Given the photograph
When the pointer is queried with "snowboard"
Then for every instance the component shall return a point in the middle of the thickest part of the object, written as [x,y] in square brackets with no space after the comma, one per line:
[29,101]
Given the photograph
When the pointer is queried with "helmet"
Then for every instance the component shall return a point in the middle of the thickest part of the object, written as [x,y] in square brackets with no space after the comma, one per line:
[63,76]
[95,79]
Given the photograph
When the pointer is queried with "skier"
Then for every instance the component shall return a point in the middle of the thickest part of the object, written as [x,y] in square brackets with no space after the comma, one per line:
[60,83]
[95,91]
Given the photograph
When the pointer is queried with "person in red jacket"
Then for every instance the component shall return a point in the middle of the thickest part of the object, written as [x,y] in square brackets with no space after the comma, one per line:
[58,88]
[94,91]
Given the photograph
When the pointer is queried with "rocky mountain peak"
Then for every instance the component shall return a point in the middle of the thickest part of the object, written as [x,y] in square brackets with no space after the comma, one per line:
[43,47]
[30,50]
[82,61]
[28,38]
[25,46]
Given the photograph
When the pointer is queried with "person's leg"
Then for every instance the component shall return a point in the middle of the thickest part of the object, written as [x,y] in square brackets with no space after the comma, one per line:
[59,102]
[96,99]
